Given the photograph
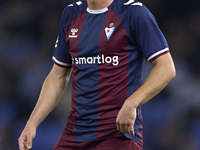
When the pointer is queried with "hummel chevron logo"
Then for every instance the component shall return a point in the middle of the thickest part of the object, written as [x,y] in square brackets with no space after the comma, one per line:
[73,35]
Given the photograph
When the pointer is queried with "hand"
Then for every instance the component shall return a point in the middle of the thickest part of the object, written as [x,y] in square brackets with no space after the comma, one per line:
[26,137]
[126,118]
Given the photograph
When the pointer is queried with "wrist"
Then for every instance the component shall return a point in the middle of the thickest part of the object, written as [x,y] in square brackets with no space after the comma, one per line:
[135,105]
[132,103]
[31,123]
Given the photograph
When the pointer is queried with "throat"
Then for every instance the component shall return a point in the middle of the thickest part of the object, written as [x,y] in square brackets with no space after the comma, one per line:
[98,4]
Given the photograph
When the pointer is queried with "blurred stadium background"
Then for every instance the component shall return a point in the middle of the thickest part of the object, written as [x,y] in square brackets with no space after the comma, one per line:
[28,31]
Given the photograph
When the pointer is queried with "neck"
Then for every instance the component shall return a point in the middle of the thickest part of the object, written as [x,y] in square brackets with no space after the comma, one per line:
[98,4]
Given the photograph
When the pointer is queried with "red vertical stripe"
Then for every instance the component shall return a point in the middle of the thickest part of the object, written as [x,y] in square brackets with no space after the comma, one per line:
[113,80]
[141,127]
[140,117]
[73,49]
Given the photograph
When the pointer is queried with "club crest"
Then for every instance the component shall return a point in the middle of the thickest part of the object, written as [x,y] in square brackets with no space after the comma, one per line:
[109,30]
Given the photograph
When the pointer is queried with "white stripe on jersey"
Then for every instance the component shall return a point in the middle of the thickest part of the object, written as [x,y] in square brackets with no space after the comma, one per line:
[59,62]
[79,3]
[70,5]
[129,2]
[138,3]
[158,53]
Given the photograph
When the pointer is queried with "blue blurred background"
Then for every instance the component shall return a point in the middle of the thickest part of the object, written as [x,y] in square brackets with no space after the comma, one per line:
[28,31]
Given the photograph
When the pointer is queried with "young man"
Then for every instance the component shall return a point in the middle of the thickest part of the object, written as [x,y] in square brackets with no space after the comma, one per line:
[103,43]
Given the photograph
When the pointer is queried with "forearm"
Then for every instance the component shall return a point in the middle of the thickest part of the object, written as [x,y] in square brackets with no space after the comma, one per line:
[160,76]
[162,73]
[51,92]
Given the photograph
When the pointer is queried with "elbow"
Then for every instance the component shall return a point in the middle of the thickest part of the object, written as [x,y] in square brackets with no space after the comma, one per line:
[172,72]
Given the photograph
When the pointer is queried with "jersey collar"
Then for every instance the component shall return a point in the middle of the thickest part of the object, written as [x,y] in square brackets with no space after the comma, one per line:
[100,11]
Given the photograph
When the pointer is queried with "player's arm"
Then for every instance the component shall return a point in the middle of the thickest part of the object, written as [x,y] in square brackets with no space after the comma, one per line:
[162,73]
[51,92]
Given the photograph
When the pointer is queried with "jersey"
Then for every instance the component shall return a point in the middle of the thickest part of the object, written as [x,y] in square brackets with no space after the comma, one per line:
[106,49]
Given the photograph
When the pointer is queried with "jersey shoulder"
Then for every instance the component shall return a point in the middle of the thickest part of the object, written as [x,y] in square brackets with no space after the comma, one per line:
[132,10]
[73,10]
[128,7]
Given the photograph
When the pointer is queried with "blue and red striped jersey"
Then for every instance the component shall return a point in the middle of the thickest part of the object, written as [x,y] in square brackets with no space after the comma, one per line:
[106,49]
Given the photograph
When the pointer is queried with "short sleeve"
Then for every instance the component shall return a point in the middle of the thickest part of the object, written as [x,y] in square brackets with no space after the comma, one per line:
[61,54]
[149,37]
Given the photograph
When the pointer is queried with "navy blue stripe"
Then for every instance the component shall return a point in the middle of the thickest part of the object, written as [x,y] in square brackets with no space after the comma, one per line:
[88,93]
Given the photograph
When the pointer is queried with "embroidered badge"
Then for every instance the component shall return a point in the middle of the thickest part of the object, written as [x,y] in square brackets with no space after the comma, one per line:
[109,30]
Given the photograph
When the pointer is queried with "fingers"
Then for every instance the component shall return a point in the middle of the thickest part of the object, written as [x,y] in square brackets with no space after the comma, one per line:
[21,143]
[131,130]
[26,137]
[126,118]
[25,143]
[126,128]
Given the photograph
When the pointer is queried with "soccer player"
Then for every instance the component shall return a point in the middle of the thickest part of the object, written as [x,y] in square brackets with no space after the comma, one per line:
[104,44]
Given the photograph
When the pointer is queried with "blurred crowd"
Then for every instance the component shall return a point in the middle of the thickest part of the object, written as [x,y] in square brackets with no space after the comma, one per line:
[28,31]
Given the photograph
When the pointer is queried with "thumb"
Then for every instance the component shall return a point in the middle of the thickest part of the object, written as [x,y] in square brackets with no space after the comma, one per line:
[29,143]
